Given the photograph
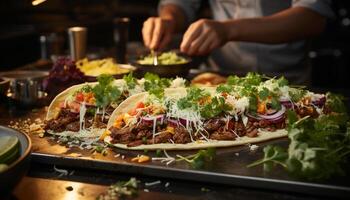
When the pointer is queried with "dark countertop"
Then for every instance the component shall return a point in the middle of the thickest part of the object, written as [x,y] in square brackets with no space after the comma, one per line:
[43,182]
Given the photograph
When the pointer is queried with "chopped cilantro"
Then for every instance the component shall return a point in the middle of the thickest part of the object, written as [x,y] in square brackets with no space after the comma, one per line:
[297,94]
[130,80]
[105,92]
[199,159]
[121,189]
[155,85]
[315,145]
[264,93]
[86,88]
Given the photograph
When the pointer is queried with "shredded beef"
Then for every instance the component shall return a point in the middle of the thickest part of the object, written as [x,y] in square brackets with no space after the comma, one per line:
[124,135]
[73,126]
[252,132]
[181,135]
[163,138]
[213,124]
[135,143]
[222,135]
[64,118]
[143,133]
[239,129]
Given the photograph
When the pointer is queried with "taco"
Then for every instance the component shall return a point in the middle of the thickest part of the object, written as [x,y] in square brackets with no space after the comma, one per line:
[84,110]
[243,111]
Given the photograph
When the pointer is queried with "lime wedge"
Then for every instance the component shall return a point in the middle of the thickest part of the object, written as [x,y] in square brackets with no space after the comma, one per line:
[9,148]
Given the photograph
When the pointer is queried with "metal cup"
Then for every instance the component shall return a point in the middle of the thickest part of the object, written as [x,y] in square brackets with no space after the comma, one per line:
[121,37]
[77,42]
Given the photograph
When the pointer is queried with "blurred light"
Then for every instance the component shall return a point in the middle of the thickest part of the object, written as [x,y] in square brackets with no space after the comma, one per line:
[342,12]
[346,22]
[37,2]
[337,53]
[312,54]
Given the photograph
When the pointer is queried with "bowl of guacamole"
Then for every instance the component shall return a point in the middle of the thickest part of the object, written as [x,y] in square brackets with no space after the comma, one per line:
[170,64]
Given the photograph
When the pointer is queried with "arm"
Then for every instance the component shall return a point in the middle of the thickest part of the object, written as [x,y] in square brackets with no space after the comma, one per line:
[292,24]
[288,25]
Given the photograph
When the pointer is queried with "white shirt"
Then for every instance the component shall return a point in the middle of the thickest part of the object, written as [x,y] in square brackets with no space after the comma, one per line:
[287,59]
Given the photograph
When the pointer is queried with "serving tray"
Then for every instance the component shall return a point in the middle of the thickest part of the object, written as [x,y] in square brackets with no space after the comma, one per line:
[228,167]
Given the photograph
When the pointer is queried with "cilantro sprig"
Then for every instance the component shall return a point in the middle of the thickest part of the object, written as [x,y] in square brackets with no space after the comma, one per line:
[198,160]
[201,101]
[130,80]
[121,189]
[318,149]
[156,85]
[105,92]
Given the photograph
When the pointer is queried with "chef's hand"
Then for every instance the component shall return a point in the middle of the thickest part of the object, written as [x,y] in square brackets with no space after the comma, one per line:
[157,32]
[203,36]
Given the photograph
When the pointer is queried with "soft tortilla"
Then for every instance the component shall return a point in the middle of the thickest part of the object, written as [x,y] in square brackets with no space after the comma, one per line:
[130,103]
[54,109]
[263,136]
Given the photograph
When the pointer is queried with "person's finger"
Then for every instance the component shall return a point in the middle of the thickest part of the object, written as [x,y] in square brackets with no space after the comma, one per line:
[193,32]
[204,47]
[214,44]
[165,40]
[157,34]
[197,43]
[147,31]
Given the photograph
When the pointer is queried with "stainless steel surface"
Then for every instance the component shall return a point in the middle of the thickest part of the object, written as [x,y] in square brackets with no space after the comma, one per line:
[25,86]
[77,42]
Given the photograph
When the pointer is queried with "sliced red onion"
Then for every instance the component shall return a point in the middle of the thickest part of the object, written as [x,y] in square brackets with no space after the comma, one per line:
[286,102]
[172,122]
[320,102]
[158,118]
[275,115]
[277,120]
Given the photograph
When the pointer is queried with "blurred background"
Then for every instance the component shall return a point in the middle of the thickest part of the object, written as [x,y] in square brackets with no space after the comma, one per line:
[24,21]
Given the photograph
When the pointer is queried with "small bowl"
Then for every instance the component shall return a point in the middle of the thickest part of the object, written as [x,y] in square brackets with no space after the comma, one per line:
[4,86]
[117,76]
[25,86]
[16,170]
[168,71]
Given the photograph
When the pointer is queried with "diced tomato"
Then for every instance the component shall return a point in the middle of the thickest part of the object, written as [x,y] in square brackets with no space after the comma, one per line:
[133,111]
[140,105]
[79,97]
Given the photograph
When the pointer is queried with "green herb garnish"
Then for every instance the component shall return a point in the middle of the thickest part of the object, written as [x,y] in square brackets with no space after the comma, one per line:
[130,80]
[121,189]
[155,85]
[105,92]
[318,149]
[199,159]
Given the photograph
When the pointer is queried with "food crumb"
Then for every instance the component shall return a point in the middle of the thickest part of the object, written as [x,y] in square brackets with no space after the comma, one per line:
[146,190]
[253,147]
[69,188]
